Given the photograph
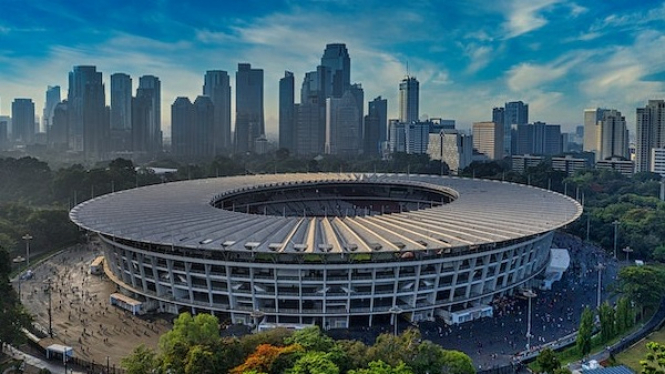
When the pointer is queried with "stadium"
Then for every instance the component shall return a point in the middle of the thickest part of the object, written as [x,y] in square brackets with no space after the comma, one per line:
[332,249]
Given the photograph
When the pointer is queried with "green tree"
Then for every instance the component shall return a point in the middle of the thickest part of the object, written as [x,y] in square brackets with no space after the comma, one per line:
[12,314]
[625,317]
[432,358]
[547,361]
[607,322]
[380,367]
[188,332]
[200,360]
[312,339]
[584,332]
[393,349]
[643,284]
[356,353]
[314,362]
[142,360]
[654,361]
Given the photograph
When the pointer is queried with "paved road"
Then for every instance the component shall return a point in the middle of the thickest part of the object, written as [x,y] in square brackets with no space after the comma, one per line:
[37,362]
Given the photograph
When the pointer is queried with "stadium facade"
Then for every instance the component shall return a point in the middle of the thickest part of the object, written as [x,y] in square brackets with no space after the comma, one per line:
[331,249]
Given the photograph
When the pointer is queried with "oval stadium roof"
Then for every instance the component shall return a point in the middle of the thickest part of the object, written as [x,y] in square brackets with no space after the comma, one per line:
[180,214]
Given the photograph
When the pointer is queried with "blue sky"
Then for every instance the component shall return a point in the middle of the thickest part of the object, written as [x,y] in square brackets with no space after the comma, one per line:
[469,55]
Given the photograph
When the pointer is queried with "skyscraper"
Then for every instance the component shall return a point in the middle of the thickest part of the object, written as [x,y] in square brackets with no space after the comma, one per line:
[650,128]
[52,99]
[152,89]
[287,112]
[376,126]
[310,122]
[537,138]
[337,61]
[409,99]
[121,102]
[343,128]
[592,131]
[614,135]
[218,88]
[515,113]
[23,120]
[88,117]
[121,112]
[249,107]
[58,135]
[203,126]
[142,113]
[488,139]
[182,117]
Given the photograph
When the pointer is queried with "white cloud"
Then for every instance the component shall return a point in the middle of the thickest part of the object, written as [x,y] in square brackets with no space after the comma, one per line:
[479,55]
[526,76]
[524,16]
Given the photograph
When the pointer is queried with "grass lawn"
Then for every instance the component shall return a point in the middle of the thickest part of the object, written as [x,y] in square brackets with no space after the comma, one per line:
[632,356]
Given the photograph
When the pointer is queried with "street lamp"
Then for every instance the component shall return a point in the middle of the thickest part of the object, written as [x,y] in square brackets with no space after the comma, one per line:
[600,267]
[616,235]
[50,313]
[27,238]
[395,311]
[18,260]
[529,294]
[627,250]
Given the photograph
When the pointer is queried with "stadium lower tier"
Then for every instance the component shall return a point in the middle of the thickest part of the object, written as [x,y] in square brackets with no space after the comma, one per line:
[333,290]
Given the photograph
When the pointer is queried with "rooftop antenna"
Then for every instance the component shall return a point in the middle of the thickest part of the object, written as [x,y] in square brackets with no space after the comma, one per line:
[407,68]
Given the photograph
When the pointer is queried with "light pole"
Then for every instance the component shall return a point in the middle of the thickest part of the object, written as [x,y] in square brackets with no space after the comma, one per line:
[627,250]
[600,268]
[27,238]
[50,313]
[395,311]
[529,294]
[18,260]
[616,235]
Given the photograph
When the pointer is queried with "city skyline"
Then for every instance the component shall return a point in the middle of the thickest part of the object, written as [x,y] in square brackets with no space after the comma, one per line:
[560,57]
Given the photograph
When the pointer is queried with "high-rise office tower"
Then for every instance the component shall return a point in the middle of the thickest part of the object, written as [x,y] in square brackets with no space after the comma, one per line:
[592,131]
[218,88]
[4,139]
[204,123]
[488,139]
[650,128]
[416,137]
[182,118]
[153,87]
[142,113]
[52,99]
[287,112]
[88,117]
[58,135]
[121,102]
[409,99]
[376,126]
[249,107]
[310,120]
[23,120]
[515,113]
[343,128]
[396,136]
[537,138]
[614,135]
[338,63]
[121,112]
